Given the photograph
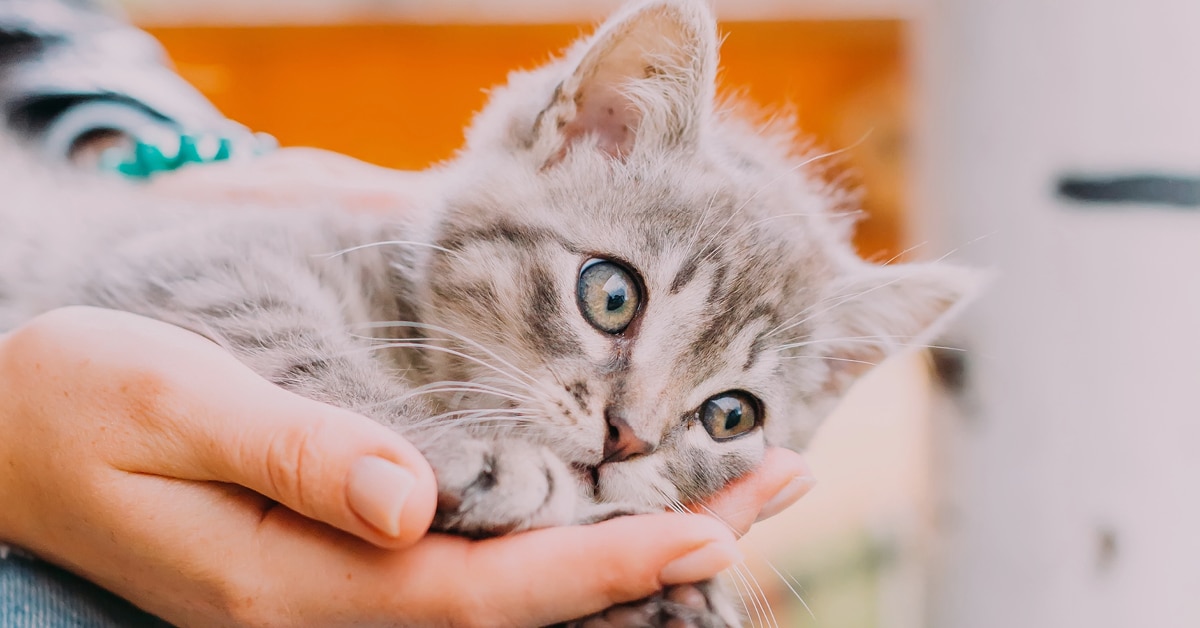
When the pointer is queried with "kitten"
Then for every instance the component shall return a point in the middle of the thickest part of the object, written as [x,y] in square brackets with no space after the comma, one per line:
[622,296]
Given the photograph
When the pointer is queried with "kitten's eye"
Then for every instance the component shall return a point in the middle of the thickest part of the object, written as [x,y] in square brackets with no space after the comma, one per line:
[608,295]
[729,414]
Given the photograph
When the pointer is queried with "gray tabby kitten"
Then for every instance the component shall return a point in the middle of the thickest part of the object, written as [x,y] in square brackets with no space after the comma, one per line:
[620,297]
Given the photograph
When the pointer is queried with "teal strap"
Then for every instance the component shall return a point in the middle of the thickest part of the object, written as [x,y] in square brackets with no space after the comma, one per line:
[147,159]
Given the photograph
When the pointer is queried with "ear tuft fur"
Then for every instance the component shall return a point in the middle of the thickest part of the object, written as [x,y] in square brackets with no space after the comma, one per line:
[881,310]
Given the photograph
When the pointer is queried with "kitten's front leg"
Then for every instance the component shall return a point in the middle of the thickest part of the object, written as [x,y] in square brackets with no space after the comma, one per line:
[492,487]
[707,604]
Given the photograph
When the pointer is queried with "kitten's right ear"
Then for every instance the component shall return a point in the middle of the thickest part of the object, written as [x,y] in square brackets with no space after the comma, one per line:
[647,76]
[879,310]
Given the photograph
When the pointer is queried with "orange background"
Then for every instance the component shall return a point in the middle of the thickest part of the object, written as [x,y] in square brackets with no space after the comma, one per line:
[399,94]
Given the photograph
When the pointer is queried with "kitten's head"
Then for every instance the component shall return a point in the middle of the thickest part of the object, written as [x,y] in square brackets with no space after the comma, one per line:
[656,288]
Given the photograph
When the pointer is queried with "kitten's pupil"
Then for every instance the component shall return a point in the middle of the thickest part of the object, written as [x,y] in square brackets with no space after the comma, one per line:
[732,419]
[616,295]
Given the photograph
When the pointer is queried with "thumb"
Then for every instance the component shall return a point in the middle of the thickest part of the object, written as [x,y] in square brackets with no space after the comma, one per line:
[328,464]
[335,466]
[323,462]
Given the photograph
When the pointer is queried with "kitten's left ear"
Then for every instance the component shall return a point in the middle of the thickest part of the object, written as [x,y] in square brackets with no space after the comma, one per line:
[879,310]
[647,76]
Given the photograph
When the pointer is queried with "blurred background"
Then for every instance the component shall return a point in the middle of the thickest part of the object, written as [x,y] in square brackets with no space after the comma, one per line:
[1043,471]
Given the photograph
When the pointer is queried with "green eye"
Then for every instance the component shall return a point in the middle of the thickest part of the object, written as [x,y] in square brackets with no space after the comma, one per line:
[729,414]
[608,295]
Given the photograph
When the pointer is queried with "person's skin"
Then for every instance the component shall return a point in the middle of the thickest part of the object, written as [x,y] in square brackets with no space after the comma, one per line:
[152,462]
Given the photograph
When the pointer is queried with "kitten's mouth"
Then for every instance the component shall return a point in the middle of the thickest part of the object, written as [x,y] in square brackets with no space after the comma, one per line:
[589,476]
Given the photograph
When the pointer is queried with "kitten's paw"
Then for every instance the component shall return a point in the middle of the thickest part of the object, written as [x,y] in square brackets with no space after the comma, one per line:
[489,488]
[701,605]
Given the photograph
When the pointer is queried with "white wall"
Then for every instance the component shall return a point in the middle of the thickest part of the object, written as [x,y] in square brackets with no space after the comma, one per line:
[1071,485]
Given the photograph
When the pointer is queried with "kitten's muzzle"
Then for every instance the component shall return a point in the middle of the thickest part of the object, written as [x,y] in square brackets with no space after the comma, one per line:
[589,477]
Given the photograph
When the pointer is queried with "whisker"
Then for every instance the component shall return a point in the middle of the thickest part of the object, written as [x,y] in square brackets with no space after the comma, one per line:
[843,300]
[792,170]
[864,340]
[805,215]
[500,392]
[456,335]
[760,615]
[424,345]
[826,357]
[382,243]
[791,588]
[905,252]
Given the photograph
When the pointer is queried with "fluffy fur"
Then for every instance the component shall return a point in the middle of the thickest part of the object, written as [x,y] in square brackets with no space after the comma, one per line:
[459,325]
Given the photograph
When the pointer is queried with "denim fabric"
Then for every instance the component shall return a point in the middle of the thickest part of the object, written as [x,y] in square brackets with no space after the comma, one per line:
[35,594]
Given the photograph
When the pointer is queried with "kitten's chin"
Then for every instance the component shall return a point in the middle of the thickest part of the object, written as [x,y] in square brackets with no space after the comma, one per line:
[622,483]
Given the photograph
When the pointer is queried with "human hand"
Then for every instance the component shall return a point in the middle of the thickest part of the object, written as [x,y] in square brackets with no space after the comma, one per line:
[780,481]
[126,467]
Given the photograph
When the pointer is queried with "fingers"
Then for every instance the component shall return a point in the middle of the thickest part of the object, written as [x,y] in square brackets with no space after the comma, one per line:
[566,573]
[783,478]
[323,462]
[530,579]
[331,465]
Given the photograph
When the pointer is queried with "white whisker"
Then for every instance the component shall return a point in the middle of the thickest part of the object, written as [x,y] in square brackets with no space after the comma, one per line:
[827,357]
[456,335]
[405,344]
[791,588]
[382,243]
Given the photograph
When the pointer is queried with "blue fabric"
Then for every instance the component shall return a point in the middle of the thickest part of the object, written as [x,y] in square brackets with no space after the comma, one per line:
[35,594]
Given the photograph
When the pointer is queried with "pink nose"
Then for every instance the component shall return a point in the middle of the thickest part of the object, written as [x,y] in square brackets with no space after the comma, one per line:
[622,444]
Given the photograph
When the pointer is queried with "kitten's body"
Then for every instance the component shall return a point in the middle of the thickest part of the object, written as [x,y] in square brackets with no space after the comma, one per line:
[461,325]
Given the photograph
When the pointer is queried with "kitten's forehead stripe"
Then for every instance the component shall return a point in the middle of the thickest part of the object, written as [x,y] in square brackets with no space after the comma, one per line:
[504,231]
[544,317]
[717,286]
[479,294]
[685,275]
[756,349]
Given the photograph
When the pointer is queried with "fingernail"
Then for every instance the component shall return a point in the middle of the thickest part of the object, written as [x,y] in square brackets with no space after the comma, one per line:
[701,563]
[790,493]
[377,490]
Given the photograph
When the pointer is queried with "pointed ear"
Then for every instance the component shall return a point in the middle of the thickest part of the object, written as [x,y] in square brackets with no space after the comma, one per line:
[646,76]
[881,310]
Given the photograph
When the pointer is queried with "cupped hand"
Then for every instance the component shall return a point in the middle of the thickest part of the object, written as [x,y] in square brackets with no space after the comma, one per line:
[151,462]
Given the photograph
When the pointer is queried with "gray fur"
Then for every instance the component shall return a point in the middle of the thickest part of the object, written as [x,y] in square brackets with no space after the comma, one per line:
[750,284]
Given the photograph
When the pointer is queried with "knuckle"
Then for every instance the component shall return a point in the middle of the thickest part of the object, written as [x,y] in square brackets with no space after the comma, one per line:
[477,612]
[252,611]
[243,597]
[37,339]
[292,458]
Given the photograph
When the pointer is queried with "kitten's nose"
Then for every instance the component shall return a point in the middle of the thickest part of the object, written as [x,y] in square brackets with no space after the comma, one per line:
[622,443]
